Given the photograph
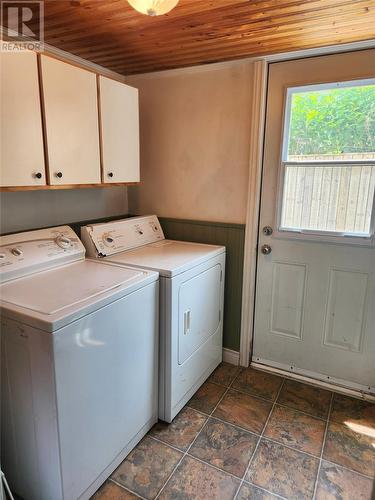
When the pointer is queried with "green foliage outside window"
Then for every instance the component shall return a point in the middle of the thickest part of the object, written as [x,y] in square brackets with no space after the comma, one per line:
[333,121]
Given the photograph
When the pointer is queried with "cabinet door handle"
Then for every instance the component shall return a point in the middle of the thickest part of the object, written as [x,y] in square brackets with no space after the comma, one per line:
[38,175]
[110,174]
[59,174]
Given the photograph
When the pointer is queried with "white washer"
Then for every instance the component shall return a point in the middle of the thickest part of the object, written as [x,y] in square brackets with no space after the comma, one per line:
[79,364]
[191,300]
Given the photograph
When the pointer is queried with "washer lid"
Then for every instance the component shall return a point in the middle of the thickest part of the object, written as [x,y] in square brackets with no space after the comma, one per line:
[68,286]
[168,257]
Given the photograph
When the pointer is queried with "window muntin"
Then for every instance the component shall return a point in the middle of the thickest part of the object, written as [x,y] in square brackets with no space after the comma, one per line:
[328,169]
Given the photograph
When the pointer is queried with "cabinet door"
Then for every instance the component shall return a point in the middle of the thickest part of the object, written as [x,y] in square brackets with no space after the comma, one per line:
[71,121]
[119,131]
[21,134]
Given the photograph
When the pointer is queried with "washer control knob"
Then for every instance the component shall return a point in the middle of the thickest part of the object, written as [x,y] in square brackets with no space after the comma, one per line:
[17,252]
[63,241]
[108,240]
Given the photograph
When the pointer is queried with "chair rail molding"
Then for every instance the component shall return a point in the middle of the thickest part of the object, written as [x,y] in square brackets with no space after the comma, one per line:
[252,213]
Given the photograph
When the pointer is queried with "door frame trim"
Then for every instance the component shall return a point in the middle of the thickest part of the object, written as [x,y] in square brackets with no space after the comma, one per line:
[253,206]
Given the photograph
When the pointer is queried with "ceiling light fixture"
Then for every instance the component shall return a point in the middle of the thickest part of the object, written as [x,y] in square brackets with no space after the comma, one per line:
[153,7]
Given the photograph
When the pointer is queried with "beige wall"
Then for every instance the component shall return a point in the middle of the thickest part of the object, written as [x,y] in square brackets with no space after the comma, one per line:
[24,210]
[195,127]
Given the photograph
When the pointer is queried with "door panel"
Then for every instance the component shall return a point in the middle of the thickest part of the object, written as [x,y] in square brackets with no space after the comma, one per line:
[22,154]
[288,296]
[315,298]
[71,115]
[346,309]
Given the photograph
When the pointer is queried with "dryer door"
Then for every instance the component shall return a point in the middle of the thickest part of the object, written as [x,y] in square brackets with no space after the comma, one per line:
[199,310]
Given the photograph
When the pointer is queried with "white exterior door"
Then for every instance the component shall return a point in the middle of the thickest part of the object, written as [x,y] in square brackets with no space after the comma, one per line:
[315,297]
[71,122]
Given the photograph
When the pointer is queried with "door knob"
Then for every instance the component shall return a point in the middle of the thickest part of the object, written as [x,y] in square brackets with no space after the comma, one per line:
[110,174]
[266,249]
[38,175]
[59,175]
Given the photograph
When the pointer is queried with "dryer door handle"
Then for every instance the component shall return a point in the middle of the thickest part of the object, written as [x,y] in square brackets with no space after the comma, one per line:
[187,322]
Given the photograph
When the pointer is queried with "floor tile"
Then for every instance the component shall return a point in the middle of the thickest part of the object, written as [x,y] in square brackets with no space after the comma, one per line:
[336,483]
[258,383]
[351,449]
[198,481]
[182,431]
[283,471]
[207,397]
[225,446]
[354,410]
[224,374]
[246,411]
[111,491]
[303,397]
[147,467]
[251,492]
[296,429]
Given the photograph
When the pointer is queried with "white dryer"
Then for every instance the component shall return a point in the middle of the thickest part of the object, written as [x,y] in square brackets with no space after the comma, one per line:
[191,300]
[79,364]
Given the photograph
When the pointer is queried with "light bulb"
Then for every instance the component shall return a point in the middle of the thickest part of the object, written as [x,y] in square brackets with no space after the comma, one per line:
[153,7]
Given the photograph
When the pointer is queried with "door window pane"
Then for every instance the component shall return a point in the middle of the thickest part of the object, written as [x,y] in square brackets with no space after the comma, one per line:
[329,158]
[334,198]
[330,122]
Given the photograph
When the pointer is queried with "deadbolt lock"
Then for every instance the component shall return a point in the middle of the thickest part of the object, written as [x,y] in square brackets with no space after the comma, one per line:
[267,230]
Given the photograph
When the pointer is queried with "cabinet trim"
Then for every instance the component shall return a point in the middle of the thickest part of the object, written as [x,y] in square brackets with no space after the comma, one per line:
[68,186]
[43,117]
[100,128]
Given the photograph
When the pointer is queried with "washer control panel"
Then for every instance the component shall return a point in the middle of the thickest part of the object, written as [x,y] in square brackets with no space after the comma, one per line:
[24,253]
[119,236]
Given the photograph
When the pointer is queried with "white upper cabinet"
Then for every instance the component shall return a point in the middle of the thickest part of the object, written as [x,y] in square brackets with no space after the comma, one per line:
[71,123]
[119,131]
[21,134]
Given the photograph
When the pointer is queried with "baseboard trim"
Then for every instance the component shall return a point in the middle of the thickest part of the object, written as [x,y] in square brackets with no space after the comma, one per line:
[232,357]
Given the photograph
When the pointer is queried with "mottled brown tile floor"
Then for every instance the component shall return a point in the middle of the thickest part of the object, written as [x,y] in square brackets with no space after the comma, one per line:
[249,435]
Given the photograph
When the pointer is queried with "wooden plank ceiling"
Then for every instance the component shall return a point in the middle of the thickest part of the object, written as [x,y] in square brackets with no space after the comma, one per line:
[112,34]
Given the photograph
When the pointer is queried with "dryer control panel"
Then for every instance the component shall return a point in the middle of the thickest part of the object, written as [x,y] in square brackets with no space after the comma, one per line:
[25,253]
[118,236]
